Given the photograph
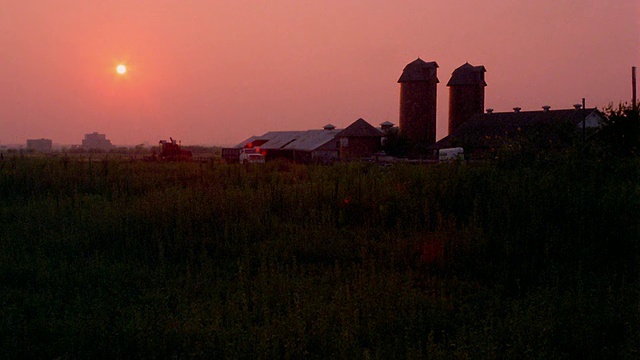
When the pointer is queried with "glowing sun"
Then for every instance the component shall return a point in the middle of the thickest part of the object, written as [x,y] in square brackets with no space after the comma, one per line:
[121,69]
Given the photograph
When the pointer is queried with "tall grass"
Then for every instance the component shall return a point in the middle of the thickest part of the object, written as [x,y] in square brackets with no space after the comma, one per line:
[122,259]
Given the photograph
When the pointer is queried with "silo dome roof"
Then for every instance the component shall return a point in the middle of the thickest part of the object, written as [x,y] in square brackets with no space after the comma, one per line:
[419,70]
[468,74]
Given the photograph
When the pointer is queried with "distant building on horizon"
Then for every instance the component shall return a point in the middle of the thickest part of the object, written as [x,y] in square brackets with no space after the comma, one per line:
[39,145]
[96,141]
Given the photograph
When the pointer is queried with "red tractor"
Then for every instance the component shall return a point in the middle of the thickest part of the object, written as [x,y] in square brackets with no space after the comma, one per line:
[171,151]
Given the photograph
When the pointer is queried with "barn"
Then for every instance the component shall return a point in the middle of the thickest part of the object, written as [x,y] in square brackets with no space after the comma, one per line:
[360,139]
[306,146]
[546,129]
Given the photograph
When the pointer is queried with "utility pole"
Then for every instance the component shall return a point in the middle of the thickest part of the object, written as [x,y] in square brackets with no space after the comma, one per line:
[634,99]
[584,120]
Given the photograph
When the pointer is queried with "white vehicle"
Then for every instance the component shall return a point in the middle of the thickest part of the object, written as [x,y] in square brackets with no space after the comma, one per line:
[251,156]
[451,154]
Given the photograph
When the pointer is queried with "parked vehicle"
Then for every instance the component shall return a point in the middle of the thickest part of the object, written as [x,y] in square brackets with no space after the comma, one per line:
[231,155]
[250,156]
[171,151]
[451,154]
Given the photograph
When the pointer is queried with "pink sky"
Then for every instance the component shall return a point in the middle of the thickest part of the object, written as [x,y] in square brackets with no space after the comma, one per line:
[217,72]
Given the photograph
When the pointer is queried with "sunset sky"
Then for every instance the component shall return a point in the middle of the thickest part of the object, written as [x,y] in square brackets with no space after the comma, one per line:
[216,72]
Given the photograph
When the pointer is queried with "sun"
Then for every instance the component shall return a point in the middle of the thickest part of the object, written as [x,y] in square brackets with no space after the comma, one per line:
[121,69]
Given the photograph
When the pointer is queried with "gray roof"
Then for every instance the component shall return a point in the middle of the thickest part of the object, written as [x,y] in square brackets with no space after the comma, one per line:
[360,128]
[306,140]
[313,139]
[244,143]
[468,74]
[419,70]
[492,130]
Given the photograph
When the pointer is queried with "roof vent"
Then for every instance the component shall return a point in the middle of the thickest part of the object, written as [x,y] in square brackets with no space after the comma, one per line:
[546,108]
[328,127]
[489,111]
[386,125]
[517,109]
[577,106]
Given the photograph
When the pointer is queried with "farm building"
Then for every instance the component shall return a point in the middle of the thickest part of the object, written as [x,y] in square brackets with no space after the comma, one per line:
[545,129]
[359,139]
[299,146]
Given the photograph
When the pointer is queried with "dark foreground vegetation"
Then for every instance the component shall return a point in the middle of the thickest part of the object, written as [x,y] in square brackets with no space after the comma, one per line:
[125,259]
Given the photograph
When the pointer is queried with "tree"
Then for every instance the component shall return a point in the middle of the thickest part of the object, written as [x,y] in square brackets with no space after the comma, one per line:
[396,143]
[620,133]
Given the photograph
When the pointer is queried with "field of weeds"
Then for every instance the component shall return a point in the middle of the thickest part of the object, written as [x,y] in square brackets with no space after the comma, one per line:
[122,259]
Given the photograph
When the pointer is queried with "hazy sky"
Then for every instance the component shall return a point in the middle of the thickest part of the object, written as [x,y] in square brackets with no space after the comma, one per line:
[217,72]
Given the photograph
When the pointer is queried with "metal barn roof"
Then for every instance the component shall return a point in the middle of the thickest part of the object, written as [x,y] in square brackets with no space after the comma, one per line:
[313,139]
[306,140]
[309,140]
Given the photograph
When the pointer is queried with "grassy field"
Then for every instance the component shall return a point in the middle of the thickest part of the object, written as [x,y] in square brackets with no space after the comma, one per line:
[121,259]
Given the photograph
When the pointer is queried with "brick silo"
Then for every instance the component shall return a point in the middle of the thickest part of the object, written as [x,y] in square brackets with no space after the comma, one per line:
[418,89]
[466,94]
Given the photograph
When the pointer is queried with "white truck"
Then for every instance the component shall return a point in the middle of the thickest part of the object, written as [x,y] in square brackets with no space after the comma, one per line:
[251,156]
[451,154]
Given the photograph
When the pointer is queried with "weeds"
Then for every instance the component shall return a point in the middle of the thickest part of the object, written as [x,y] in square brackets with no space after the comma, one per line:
[134,259]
